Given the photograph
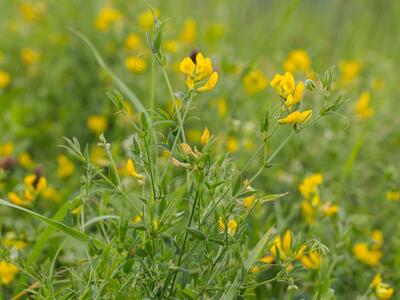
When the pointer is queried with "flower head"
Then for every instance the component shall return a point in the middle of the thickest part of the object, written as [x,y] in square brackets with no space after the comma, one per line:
[5,79]
[107,16]
[297,60]
[363,108]
[97,124]
[255,81]
[296,117]
[7,272]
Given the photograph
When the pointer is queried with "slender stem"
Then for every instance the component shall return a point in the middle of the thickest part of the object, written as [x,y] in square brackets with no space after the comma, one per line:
[185,238]
[178,114]
[113,166]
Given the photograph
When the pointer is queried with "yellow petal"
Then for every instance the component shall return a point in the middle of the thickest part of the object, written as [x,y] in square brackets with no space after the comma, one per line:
[187,66]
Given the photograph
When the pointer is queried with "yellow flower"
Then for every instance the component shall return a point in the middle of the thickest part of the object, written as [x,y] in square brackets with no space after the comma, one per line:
[376,281]
[232,227]
[138,218]
[383,291]
[194,135]
[106,17]
[171,45]
[248,201]
[98,156]
[330,209]
[35,182]
[25,160]
[31,11]
[30,56]
[10,240]
[146,19]
[14,198]
[311,261]
[297,60]
[189,32]
[363,108]
[205,137]
[349,70]
[282,245]
[135,64]
[267,259]
[393,195]
[133,42]
[65,166]
[309,184]
[296,117]
[232,144]
[255,81]
[200,72]
[7,272]
[97,124]
[7,149]
[5,79]
[366,255]
[131,170]
[284,85]
[222,108]
[297,95]
[51,194]
[308,211]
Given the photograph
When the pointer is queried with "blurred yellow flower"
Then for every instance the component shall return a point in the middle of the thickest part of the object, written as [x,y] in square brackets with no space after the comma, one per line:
[7,272]
[97,124]
[189,32]
[205,137]
[383,291]
[11,240]
[296,117]
[222,107]
[5,79]
[232,226]
[363,108]
[31,12]
[171,46]
[65,166]
[232,144]
[309,184]
[131,170]
[349,70]
[133,42]
[35,182]
[297,60]
[25,160]
[393,195]
[330,209]
[146,19]
[255,81]
[199,73]
[106,17]
[6,149]
[135,64]
[248,201]
[311,260]
[98,156]
[366,255]
[30,56]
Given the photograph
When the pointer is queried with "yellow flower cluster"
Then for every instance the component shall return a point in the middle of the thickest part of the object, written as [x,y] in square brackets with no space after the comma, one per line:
[311,260]
[292,94]
[370,254]
[135,64]
[65,166]
[5,79]
[34,185]
[11,240]
[200,74]
[297,61]
[107,16]
[7,272]
[97,124]
[393,195]
[349,70]
[30,56]
[383,291]
[255,81]
[131,170]
[232,225]
[189,32]
[363,107]
[146,19]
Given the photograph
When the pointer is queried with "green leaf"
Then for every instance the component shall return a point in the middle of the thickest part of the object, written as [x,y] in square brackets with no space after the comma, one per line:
[196,233]
[72,232]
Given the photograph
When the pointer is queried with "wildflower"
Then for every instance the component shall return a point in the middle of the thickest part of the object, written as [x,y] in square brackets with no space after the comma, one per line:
[255,269]
[205,137]
[138,218]
[133,42]
[51,194]
[297,60]
[297,96]
[14,198]
[284,85]
[135,64]
[311,261]
[232,226]
[7,149]
[98,156]
[309,184]
[25,160]
[349,70]
[248,201]
[199,72]
[171,45]
[222,108]
[106,17]
[130,168]
[179,164]
[366,255]
[393,195]
[377,237]
[255,81]
[267,259]
[35,182]
[296,117]
[31,11]
[363,108]
[383,291]
[7,272]
[10,240]
[282,245]
[330,209]
[97,124]
[65,166]
[146,19]
[232,144]
[189,32]
[194,135]
[30,56]
[5,79]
